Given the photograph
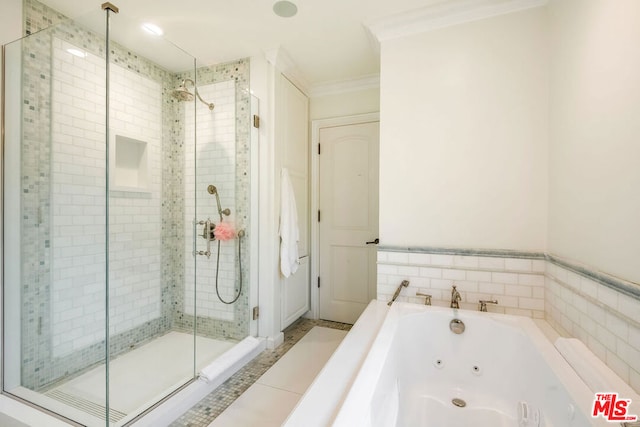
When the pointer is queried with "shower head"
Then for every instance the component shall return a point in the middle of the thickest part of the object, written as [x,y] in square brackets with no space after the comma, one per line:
[212,189]
[182,94]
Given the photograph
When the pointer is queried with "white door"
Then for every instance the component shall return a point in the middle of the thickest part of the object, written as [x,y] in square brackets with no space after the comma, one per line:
[348,219]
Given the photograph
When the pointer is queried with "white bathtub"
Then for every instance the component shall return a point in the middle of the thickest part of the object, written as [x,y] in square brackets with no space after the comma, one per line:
[500,363]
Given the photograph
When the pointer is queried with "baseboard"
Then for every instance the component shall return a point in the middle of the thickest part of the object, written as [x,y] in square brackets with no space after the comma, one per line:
[275,341]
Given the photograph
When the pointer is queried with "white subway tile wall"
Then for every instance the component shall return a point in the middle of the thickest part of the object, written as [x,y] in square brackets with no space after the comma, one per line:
[78,202]
[518,284]
[215,164]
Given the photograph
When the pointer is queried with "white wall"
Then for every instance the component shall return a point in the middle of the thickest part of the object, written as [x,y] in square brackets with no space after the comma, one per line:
[463,156]
[594,200]
[344,104]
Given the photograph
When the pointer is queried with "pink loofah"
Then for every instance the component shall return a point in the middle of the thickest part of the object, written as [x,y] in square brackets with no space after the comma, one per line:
[224,231]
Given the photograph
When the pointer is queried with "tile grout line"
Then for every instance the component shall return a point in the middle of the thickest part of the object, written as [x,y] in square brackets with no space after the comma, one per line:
[278,388]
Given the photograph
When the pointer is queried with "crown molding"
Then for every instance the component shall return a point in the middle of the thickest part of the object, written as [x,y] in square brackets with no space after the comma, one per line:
[371,81]
[282,61]
[445,15]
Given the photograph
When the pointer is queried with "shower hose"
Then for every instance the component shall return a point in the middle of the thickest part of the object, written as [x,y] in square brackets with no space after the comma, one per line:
[239,271]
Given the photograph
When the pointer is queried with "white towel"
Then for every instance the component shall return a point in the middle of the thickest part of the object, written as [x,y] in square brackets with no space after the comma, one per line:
[289,232]
[227,359]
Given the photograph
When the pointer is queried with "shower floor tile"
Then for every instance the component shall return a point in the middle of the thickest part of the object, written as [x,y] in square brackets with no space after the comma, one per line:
[143,375]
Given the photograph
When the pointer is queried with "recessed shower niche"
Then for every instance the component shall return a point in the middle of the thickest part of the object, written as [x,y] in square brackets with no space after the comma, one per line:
[129,164]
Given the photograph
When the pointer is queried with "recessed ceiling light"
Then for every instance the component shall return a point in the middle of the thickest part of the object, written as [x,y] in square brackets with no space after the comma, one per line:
[285,8]
[77,52]
[152,29]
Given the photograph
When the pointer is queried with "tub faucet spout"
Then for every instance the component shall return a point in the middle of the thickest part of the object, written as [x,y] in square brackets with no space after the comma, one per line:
[404,284]
[455,297]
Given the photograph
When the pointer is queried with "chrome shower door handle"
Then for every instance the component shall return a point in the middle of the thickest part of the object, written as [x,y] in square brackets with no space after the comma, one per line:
[373,242]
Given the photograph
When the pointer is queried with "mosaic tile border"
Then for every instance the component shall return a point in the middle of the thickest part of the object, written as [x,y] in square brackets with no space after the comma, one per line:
[627,288]
[497,253]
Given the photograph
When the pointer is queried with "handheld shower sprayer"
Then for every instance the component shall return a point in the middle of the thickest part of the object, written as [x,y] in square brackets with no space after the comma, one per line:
[210,233]
[214,191]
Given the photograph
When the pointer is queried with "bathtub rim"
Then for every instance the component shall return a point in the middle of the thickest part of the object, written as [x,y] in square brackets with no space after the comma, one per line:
[321,401]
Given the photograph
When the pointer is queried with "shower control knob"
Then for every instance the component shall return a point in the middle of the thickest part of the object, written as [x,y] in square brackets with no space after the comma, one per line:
[373,242]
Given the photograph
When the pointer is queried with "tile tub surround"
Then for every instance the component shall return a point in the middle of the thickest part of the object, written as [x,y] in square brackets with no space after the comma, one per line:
[601,311]
[515,279]
[605,319]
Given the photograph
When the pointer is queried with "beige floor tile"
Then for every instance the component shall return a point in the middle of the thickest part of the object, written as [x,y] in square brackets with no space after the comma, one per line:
[260,405]
[7,421]
[297,369]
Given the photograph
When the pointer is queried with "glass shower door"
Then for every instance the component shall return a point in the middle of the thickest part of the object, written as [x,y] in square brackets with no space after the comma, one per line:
[218,288]
[92,145]
[54,220]
[149,357]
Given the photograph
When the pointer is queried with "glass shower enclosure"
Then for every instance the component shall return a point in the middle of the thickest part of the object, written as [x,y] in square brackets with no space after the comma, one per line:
[125,215]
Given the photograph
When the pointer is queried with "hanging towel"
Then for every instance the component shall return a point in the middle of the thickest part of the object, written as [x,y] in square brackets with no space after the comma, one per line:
[289,232]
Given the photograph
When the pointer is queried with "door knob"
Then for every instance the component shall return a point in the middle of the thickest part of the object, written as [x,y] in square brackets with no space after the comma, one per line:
[373,242]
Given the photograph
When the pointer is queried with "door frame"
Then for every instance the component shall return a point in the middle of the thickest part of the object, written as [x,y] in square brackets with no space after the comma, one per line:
[316,126]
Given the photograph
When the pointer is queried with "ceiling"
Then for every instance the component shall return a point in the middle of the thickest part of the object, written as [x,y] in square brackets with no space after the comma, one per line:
[327,40]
